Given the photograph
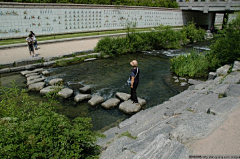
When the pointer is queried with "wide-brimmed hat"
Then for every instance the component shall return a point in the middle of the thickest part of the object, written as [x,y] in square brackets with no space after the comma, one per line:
[134,63]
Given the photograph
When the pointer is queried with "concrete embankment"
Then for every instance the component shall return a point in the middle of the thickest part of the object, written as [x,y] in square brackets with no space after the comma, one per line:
[168,130]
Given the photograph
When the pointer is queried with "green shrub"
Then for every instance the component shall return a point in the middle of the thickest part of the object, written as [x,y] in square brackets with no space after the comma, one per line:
[162,38]
[192,33]
[191,65]
[33,130]
[226,45]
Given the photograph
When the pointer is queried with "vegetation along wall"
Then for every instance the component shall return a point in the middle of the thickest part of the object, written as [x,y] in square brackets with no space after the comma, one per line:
[17,19]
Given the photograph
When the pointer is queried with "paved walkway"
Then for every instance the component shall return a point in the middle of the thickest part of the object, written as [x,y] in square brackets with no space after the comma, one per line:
[47,50]
[223,141]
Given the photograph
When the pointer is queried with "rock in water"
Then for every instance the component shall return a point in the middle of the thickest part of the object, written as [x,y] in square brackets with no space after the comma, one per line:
[110,103]
[65,93]
[123,96]
[95,100]
[81,97]
[36,86]
[129,108]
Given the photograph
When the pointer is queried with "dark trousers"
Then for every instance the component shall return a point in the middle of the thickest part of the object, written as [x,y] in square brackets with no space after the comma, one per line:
[134,93]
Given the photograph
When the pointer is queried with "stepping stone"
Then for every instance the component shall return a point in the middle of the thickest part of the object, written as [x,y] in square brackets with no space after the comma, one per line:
[90,59]
[95,100]
[48,89]
[55,81]
[65,93]
[123,96]
[33,77]
[85,89]
[142,102]
[31,74]
[129,108]
[26,72]
[110,103]
[81,97]
[36,86]
[38,70]
[45,73]
[35,80]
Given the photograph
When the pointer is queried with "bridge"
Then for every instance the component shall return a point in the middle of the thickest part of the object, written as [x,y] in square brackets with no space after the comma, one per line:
[210,5]
[208,9]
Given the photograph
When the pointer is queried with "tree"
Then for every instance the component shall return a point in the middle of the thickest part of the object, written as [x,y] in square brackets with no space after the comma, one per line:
[226,46]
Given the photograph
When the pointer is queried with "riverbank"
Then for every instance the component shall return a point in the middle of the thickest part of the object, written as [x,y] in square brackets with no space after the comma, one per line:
[168,130]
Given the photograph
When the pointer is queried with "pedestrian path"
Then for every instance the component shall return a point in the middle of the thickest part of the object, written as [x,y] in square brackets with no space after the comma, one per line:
[10,55]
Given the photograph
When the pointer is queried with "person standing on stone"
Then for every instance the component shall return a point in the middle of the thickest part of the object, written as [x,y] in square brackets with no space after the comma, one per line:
[30,41]
[35,40]
[135,73]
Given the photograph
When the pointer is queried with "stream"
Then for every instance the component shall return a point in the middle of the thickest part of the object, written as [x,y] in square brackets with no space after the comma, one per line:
[108,76]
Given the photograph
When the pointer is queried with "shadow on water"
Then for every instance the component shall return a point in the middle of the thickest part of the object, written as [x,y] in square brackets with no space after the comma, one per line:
[108,76]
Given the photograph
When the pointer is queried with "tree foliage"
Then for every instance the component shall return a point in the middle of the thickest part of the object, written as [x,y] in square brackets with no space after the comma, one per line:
[226,45]
[155,3]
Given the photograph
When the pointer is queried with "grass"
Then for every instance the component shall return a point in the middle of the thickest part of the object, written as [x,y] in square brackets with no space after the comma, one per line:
[127,134]
[64,36]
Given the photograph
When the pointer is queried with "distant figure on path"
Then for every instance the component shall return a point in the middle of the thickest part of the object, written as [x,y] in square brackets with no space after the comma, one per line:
[135,72]
[35,40]
[30,41]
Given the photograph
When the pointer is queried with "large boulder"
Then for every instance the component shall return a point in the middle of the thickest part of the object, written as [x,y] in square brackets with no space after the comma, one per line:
[129,107]
[36,86]
[123,96]
[95,100]
[81,97]
[236,66]
[110,103]
[222,71]
[55,81]
[65,93]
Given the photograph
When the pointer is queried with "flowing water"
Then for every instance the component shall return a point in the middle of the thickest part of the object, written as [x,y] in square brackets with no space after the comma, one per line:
[108,76]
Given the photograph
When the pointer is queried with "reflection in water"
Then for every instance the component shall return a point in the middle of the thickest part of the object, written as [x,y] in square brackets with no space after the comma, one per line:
[108,76]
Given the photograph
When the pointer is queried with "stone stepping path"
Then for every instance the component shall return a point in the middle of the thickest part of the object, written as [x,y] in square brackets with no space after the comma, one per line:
[36,82]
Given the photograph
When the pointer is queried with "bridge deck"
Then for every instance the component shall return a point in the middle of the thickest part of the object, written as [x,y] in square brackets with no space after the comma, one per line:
[210,5]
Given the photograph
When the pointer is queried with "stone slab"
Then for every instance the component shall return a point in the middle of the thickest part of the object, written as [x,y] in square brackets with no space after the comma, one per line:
[129,108]
[65,93]
[36,86]
[48,89]
[35,80]
[55,81]
[195,127]
[123,96]
[110,103]
[81,97]
[95,100]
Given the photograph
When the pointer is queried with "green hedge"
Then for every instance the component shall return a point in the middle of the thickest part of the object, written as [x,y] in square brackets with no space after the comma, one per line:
[155,3]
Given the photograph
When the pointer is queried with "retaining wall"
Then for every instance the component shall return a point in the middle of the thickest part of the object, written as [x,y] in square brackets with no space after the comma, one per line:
[18,19]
